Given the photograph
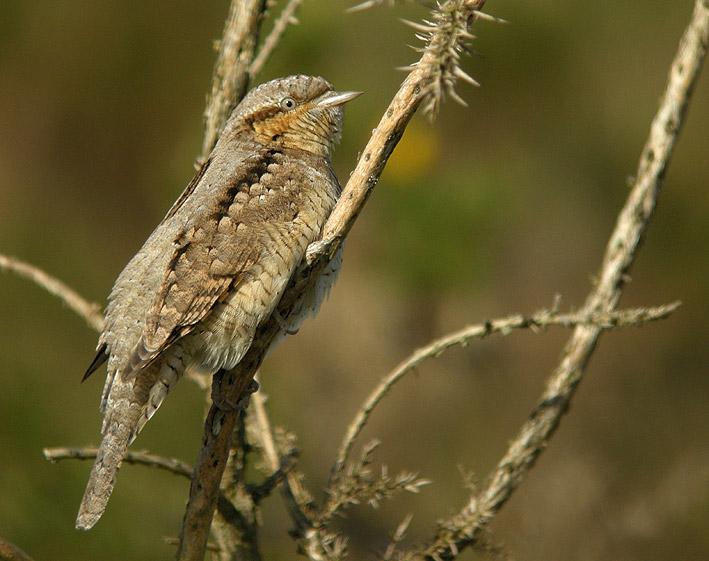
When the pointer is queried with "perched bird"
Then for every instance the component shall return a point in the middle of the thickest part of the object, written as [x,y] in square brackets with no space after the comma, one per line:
[217,265]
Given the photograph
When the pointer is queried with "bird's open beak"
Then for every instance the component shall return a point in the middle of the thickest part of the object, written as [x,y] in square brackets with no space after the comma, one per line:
[333,99]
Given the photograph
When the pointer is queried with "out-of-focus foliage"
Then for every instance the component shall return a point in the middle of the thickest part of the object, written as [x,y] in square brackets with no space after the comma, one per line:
[490,210]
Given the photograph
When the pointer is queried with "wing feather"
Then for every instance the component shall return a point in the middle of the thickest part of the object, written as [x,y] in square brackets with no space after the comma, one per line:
[226,238]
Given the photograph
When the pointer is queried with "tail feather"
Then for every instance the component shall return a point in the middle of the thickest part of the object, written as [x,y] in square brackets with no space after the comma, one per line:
[103,474]
[169,373]
[127,406]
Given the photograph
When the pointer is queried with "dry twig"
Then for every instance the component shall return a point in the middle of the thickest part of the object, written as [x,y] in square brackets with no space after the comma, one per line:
[83,308]
[286,18]
[178,467]
[503,326]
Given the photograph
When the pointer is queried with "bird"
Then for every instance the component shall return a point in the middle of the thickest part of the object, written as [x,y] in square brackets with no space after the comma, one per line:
[216,266]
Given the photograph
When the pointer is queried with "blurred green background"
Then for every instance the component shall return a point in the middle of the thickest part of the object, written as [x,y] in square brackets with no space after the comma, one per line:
[491,210]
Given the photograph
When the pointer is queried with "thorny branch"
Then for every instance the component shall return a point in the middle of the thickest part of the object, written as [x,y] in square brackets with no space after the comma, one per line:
[464,529]
[428,77]
[503,326]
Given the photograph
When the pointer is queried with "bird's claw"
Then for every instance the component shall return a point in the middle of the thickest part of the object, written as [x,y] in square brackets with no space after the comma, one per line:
[224,404]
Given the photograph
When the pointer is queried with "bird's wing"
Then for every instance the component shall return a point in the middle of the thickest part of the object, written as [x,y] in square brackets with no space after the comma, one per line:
[243,225]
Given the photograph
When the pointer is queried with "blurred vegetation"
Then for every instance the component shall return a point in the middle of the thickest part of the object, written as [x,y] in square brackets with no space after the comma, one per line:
[492,209]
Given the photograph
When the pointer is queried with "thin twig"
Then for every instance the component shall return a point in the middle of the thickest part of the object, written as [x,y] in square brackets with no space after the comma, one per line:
[264,432]
[286,18]
[503,326]
[291,485]
[465,527]
[83,308]
[275,479]
[172,465]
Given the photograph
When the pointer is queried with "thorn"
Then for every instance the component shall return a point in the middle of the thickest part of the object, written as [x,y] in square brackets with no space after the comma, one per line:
[460,73]
[422,27]
[465,34]
[360,7]
[487,17]
[455,97]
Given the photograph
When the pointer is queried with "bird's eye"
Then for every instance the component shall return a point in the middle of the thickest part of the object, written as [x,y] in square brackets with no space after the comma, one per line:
[288,103]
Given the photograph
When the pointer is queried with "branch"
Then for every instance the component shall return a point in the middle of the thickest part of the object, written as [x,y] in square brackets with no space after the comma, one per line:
[294,496]
[10,552]
[220,424]
[231,71]
[421,83]
[173,465]
[286,18]
[503,326]
[83,308]
[465,528]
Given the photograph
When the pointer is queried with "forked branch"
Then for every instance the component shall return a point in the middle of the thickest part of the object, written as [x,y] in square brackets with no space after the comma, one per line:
[502,326]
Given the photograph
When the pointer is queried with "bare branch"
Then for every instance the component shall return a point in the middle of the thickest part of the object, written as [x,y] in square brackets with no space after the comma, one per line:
[286,18]
[231,71]
[503,326]
[465,528]
[178,467]
[87,310]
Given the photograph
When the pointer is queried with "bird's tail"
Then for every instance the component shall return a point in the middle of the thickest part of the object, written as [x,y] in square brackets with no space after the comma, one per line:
[118,435]
[127,406]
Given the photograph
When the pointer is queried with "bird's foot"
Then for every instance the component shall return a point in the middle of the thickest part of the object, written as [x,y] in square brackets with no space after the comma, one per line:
[222,402]
[282,324]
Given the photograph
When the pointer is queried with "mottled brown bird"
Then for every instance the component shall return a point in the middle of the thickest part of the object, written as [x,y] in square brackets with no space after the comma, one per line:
[216,266]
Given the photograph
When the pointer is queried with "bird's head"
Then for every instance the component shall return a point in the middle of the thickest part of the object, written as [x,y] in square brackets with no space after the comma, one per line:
[302,112]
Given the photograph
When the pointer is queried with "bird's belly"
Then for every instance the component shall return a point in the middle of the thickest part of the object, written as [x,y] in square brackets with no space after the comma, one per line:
[223,337]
